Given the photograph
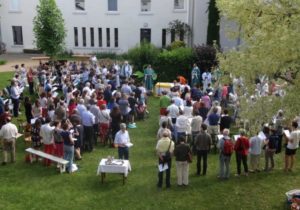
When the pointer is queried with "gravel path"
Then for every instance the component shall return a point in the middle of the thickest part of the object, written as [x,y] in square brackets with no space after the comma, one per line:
[17,58]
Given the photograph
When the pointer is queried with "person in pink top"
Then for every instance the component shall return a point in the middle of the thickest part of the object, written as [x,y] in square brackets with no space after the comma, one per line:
[206,100]
[224,95]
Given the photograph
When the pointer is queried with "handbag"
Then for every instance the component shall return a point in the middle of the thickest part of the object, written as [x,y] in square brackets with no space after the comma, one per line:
[167,157]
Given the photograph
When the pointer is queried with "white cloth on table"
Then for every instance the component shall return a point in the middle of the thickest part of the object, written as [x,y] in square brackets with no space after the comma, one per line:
[116,167]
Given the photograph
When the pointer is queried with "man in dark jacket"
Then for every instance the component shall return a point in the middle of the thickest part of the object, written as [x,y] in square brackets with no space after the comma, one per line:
[203,142]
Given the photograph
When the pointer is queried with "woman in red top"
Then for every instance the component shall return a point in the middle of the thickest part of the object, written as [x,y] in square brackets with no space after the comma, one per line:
[241,148]
[72,106]
[101,101]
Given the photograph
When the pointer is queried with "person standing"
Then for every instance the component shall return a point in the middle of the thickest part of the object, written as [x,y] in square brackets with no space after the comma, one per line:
[68,146]
[292,146]
[164,145]
[47,139]
[88,121]
[15,93]
[182,152]
[195,75]
[126,71]
[241,148]
[30,81]
[164,102]
[226,149]
[149,74]
[9,133]
[202,143]
[270,148]
[255,152]
[122,140]
[206,79]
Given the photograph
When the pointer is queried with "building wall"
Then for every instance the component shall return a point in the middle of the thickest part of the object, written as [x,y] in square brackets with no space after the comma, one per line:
[128,19]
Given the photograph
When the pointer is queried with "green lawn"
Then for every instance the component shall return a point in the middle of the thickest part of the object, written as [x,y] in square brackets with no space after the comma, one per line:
[25,186]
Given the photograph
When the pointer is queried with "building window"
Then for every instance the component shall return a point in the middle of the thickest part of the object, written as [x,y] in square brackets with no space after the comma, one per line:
[164,38]
[17,35]
[145,5]
[181,35]
[178,4]
[172,35]
[145,35]
[80,5]
[14,5]
[83,37]
[112,5]
[76,36]
[116,37]
[92,37]
[107,37]
[100,37]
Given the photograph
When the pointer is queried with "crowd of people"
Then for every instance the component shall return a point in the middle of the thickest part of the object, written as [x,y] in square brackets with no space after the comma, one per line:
[201,116]
[97,104]
[71,107]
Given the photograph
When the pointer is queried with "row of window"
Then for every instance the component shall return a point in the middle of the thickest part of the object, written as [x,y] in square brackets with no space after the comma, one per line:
[112,5]
[92,37]
[145,35]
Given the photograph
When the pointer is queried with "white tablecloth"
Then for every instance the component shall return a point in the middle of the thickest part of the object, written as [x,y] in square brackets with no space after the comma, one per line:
[116,167]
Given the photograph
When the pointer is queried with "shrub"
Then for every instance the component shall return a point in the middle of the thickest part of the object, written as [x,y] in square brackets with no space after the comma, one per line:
[205,56]
[2,62]
[176,62]
[144,53]
[176,44]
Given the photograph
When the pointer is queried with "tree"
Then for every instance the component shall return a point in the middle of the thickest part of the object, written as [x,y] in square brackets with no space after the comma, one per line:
[213,28]
[269,31]
[179,29]
[49,29]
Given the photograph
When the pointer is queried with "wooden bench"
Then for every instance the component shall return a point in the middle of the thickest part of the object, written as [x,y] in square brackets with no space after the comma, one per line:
[41,58]
[82,57]
[61,162]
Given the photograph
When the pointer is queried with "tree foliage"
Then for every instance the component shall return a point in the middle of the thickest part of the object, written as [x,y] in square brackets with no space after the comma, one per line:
[181,29]
[143,54]
[49,29]
[205,56]
[213,28]
[269,30]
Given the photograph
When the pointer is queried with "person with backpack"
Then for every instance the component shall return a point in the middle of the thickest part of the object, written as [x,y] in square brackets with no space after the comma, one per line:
[270,149]
[241,148]
[226,149]
[164,149]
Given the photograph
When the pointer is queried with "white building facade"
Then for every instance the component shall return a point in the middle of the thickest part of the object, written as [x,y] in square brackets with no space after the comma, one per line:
[105,25]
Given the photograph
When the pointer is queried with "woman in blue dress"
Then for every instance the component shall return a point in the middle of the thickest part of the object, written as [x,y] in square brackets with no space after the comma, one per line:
[149,76]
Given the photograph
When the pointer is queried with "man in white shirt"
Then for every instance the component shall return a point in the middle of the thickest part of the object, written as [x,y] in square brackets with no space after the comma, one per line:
[173,111]
[15,93]
[206,79]
[8,134]
[292,146]
[47,139]
[255,153]
[122,140]
[182,125]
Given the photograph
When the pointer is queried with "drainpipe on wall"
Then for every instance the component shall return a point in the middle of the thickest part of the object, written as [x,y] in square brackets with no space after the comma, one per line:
[191,22]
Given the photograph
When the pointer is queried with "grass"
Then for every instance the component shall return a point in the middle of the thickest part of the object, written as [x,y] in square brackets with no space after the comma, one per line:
[25,186]
[2,62]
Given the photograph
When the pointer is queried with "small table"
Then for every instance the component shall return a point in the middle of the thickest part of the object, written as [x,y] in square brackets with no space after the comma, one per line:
[117,166]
